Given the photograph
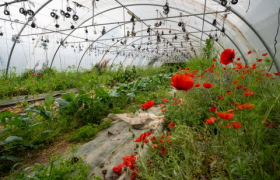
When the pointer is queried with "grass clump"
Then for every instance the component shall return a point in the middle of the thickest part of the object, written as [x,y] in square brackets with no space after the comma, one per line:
[61,169]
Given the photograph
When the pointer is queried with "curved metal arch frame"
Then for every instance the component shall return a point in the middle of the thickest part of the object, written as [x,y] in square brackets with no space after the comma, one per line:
[145,37]
[244,58]
[133,42]
[154,40]
[246,62]
[18,35]
[136,57]
[233,11]
[156,28]
[96,40]
[158,5]
[142,52]
[129,45]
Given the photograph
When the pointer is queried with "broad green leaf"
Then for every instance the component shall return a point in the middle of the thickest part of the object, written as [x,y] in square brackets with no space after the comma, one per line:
[49,100]
[47,131]
[131,95]
[12,139]
[62,103]
[114,93]
[10,158]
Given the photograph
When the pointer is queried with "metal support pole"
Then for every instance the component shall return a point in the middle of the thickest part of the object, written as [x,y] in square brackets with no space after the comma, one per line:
[15,42]
[203,20]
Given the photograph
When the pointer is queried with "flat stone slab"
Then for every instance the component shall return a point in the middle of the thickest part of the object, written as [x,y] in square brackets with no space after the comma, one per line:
[111,145]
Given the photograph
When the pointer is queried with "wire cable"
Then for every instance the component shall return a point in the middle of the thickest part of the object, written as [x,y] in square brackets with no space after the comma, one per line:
[275,40]
[249,6]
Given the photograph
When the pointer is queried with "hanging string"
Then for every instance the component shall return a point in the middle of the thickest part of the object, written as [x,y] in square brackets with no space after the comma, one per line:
[248,6]
[275,39]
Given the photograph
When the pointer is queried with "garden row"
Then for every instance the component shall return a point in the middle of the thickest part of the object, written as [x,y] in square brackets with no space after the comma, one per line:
[74,117]
[33,82]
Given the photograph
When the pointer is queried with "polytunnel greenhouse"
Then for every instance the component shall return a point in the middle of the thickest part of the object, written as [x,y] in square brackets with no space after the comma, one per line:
[139,89]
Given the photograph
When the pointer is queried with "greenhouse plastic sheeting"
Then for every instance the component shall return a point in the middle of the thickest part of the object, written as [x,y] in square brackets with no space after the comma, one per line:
[87,49]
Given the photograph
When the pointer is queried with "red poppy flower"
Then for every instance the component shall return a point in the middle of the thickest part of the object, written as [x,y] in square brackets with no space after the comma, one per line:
[175,99]
[211,120]
[118,169]
[161,140]
[228,92]
[207,85]
[239,87]
[221,97]
[242,76]
[40,75]
[180,69]
[277,74]
[182,82]
[146,141]
[165,100]
[148,105]
[179,101]
[227,56]
[246,106]
[133,176]
[171,125]
[213,109]
[129,160]
[249,52]
[259,60]
[162,150]
[253,66]
[249,93]
[33,75]
[169,142]
[155,146]
[143,136]
[265,54]
[238,59]
[270,124]
[153,138]
[235,82]
[197,85]
[236,125]
[163,110]
[214,60]
[225,115]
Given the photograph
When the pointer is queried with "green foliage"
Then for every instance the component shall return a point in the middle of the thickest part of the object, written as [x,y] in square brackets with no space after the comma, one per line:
[83,134]
[123,75]
[218,151]
[84,107]
[55,170]
[208,49]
